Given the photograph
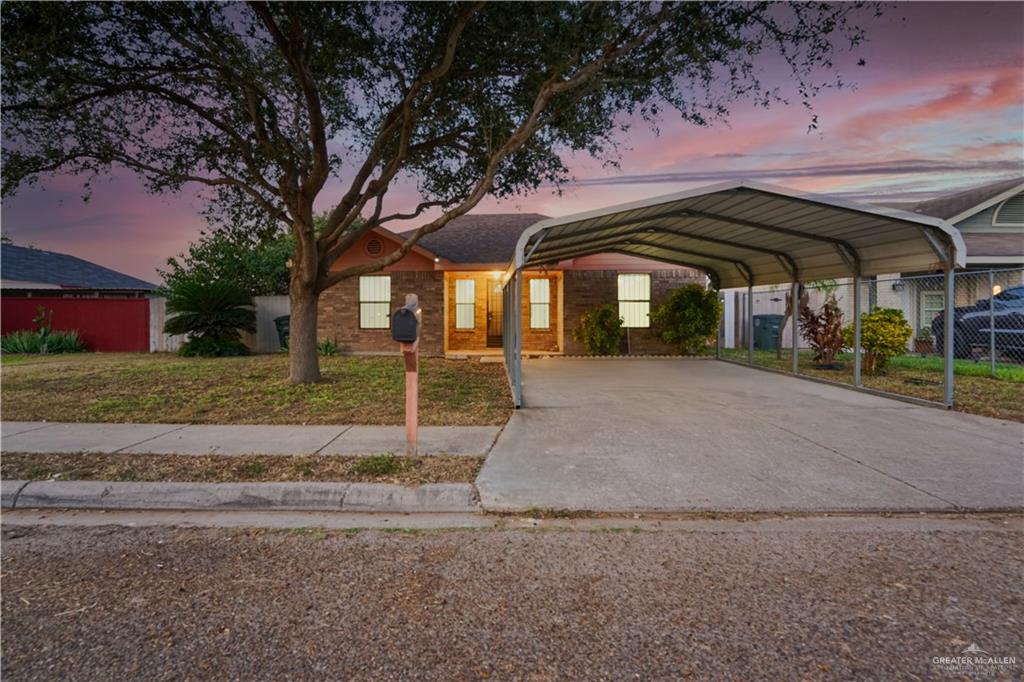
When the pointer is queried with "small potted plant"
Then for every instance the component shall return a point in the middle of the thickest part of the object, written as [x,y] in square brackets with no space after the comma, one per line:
[923,341]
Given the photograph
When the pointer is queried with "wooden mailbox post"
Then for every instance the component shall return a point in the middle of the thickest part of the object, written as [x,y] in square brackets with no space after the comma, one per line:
[405,329]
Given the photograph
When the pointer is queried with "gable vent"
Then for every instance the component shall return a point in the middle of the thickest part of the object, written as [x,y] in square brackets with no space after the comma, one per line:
[374,247]
[1010,212]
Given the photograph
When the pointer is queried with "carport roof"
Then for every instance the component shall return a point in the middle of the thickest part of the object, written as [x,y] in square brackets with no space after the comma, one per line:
[747,233]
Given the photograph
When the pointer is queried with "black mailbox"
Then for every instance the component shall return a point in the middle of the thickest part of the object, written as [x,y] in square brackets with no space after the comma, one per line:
[405,325]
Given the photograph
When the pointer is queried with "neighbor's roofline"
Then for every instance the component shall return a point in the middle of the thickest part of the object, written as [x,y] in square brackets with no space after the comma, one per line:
[943,225]
[988,203]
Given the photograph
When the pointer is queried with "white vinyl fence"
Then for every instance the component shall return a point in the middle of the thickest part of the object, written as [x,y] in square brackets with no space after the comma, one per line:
[263,341]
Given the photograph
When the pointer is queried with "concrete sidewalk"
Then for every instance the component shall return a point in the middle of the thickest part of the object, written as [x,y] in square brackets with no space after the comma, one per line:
[186,439]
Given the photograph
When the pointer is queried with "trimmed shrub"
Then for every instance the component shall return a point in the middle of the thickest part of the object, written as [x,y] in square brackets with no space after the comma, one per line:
[884,334]
[211,347]
[600,330]
[689,318]
[42,342]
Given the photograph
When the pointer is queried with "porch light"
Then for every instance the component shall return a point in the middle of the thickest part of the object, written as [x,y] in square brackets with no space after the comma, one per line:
[436,259]
[996,290]
[899,285]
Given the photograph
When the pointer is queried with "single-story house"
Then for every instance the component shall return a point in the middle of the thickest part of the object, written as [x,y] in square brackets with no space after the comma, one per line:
[458,273]
[110,310]
[990,218]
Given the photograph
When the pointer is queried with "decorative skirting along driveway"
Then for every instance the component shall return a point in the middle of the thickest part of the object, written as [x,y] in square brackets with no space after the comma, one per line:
[681,435]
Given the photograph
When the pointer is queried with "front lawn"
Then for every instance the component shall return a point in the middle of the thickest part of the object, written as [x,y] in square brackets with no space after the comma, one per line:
[158,388]
[974,391]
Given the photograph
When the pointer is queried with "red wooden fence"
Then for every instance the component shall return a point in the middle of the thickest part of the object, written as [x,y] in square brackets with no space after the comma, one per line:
[105,324]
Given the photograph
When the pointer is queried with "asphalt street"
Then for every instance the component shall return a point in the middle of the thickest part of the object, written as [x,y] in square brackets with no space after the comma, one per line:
[868,598]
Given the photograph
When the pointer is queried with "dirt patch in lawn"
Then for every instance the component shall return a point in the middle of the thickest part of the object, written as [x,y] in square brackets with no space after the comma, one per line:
[162,389]
[246,468]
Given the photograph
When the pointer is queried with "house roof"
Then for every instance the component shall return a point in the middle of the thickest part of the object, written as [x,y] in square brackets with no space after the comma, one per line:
[22,264]
[984,245]
[748,233]
[955,207]
[479,237]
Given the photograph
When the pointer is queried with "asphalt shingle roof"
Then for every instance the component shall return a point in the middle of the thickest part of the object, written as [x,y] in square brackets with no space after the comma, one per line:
[23,264]
[479,238]
[950,205]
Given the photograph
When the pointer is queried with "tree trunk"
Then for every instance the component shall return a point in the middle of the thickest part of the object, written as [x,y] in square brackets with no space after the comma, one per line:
[304,364]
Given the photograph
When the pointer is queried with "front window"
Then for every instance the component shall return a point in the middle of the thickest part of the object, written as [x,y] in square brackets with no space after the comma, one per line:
[635,300]
[465,304]
[375,301]
[540,303]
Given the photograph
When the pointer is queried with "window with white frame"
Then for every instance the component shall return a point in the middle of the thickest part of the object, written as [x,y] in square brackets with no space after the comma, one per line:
[465,304]
[375,302]
[931,304]
[540,303]
[635,300]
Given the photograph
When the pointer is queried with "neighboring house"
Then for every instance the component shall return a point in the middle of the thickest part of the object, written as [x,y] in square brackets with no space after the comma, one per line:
[458,272]
[28,271]
[991,219]
[109,309]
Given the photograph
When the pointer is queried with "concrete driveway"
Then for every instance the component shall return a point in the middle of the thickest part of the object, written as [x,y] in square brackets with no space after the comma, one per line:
[673,435]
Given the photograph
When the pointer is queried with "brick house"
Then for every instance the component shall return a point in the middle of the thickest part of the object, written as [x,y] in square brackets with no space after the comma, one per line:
[457,273]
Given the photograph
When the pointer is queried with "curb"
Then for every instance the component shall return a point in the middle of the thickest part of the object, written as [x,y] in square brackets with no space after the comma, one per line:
[361,497]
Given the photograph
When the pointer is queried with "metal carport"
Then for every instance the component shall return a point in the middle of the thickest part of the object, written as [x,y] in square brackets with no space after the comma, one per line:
[743,234]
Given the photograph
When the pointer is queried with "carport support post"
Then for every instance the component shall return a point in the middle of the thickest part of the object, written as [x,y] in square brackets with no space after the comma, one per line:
[856,331]
[721,323]
[750,324]
[992,322]
[794,319]
[949,329]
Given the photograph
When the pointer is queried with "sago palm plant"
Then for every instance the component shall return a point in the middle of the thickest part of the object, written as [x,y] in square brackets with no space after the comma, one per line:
[213,314]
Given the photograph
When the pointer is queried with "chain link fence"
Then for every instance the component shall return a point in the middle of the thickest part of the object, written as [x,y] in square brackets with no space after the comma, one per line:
[903,335]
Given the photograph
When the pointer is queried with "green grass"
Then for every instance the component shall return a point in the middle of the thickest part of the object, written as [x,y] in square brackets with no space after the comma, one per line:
[158,388]
[969,368]
[379,465]
[974,390]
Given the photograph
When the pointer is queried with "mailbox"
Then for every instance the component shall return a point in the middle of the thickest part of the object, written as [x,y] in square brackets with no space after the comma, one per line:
[405,324]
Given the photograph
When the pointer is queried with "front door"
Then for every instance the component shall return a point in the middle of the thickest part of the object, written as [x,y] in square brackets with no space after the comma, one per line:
[494,317]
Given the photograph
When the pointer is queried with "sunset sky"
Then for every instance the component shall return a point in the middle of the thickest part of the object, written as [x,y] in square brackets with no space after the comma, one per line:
[939,105]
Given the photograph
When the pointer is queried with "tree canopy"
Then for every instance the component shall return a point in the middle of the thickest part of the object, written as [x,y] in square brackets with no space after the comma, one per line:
[268,104]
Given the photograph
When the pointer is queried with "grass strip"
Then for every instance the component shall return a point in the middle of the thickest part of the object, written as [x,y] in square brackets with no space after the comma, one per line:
[237,469]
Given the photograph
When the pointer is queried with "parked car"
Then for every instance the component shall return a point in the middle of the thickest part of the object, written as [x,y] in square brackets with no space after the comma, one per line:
[972,328]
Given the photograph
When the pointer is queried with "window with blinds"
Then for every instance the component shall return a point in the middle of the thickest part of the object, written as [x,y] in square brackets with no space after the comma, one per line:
[540,304]
[635,300]
[465,304]
[375,302]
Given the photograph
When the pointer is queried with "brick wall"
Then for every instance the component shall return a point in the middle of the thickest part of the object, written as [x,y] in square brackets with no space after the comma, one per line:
[590,288]
[541,340]
[338,315]
[475,339]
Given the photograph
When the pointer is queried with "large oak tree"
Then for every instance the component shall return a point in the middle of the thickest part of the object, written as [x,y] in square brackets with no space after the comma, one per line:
[277,108]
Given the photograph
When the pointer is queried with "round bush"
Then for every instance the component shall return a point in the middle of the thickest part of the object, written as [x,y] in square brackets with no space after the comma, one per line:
[688,319]
[600,330]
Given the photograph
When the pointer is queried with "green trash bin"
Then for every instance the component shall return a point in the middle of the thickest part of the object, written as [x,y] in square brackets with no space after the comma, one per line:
[283,325]
[767,329]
